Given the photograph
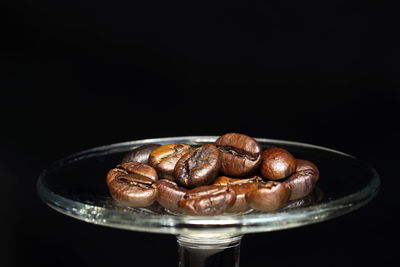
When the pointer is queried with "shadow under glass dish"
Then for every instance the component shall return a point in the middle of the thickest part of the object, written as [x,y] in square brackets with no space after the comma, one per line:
[76,187]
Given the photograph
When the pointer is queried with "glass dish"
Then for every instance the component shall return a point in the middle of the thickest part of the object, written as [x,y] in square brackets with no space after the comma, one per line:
[76,186]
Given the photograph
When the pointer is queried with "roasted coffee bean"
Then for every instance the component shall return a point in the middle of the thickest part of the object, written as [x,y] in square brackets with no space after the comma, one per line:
[133,190]
[140,154]
[269,196]
[207,200]
[241,187]
[133,184]
[134,168]
[169,194]
[198,166]
[165,157]
[303,181]
[241,154]
[277,163]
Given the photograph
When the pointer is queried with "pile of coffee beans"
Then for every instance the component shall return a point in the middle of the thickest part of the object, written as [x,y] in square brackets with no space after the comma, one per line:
[231,176]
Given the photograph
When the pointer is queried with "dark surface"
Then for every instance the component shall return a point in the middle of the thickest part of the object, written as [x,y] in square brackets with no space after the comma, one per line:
[79,74]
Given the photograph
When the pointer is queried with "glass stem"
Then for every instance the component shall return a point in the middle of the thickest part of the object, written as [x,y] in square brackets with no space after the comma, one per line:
[223,252]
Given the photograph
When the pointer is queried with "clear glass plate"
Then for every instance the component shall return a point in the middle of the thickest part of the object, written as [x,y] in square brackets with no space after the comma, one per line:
[76,187]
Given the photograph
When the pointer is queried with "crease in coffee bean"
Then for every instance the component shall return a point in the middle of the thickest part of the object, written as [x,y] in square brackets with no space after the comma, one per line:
[187,171]
[140,181]
[239,152]
[197,158]
[199,166]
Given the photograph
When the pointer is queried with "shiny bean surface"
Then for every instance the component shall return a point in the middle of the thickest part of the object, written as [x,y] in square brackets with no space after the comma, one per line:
[140,154]
[241,190]
[133,184]
[133,190]
[241,187]
[269,196]
[169,194]
[165,157]
[207,200]
[277,163]
[198,166]
[241,154]
[303,181]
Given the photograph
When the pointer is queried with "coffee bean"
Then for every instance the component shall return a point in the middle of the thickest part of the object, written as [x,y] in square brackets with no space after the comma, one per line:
[269,196]
[240,154]
[303,181]
[165,157]
[169,194]
[241,187]
[207,200]
[133,184]
[140,154]
[277,163]
[132,167]
[198,166]
[133,190]
[140,168]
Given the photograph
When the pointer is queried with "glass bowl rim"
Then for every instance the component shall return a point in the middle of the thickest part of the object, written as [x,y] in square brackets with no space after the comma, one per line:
[294,217]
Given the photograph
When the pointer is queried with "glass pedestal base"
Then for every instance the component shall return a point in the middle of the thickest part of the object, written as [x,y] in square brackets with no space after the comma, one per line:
[222,252]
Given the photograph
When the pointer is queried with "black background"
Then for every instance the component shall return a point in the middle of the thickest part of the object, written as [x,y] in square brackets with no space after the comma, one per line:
[79,74]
